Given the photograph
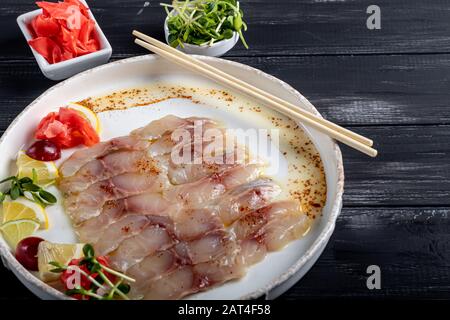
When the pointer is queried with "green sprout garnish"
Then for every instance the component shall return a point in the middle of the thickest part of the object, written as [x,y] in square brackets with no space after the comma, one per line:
[27,187]
[203,22]
[102,287]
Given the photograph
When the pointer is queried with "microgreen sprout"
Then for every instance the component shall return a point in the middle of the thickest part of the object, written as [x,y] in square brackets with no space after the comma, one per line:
[203,22]
[27,187]
[102,287]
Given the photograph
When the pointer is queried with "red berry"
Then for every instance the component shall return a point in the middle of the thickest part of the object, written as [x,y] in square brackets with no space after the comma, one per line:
[26,252]
[44,150]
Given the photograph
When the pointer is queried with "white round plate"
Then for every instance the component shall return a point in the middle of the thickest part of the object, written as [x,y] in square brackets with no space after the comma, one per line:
[269,278]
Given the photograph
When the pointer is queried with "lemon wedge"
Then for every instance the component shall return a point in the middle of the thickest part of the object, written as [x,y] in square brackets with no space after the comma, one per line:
[58,252]
[88,114]
[23,208]
[16,230]
[46,171]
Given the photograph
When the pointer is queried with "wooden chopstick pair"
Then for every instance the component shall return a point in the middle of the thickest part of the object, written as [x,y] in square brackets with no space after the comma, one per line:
[331,129]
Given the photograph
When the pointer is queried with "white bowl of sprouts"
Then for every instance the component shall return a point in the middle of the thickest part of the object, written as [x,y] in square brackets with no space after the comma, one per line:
[204,27]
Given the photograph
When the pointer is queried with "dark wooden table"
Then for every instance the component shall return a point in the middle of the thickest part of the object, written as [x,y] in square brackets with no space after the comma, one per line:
[391,84]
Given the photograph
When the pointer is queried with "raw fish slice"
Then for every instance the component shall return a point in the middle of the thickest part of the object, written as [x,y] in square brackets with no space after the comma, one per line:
[150,268]
[202,276]
[153,266]
[215,246]
[81,157]
[117,232]
[198,193]
[249,226]
[251,252]
[274,225]
[214,273]
[239,175]
[246,198]
[212,246]
[157,128]
[232,265]
[83,178]
[133,250]
[91,230]
[289,227]
[210,164]
[203,272]
[174,285]
[162,146]
[190,224]
[89,203]
[185,224]
[189,141]
[195,194]
[106,167]
[188,173]
[147,203]
[213,263]
[197,142]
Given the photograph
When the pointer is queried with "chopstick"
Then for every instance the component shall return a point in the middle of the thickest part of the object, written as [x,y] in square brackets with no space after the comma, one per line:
[341,134]
[178,53]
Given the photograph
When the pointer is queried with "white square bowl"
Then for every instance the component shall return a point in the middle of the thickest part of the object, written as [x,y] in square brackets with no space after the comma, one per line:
[67,68]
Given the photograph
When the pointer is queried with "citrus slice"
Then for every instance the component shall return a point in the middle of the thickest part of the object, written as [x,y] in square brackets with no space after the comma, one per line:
[16,230]
[23,208]
[58,252]
[46,171]
[88,114]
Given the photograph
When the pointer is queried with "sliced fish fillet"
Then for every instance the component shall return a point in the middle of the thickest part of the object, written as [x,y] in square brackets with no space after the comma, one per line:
[127,227]
[210,164]
[274,225]
[210,188]
[108,166]
[246,198]
[134,249]
[79,158]
[89,203]
[156,129]
[177,227]
[184,142]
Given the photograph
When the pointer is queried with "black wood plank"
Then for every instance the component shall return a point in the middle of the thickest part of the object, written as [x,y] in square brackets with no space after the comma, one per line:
[15,289]
[410,245]
[350,90]
[288,27]
[369,90]
[412,169]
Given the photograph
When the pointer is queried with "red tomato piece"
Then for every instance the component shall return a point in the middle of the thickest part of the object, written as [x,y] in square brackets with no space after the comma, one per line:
[67,277]
[67,128]
[81,126]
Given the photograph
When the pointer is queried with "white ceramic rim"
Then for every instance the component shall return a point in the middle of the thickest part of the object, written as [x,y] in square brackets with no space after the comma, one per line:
[315,248]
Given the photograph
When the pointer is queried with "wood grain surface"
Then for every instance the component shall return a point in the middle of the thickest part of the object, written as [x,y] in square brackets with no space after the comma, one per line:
[392,85]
